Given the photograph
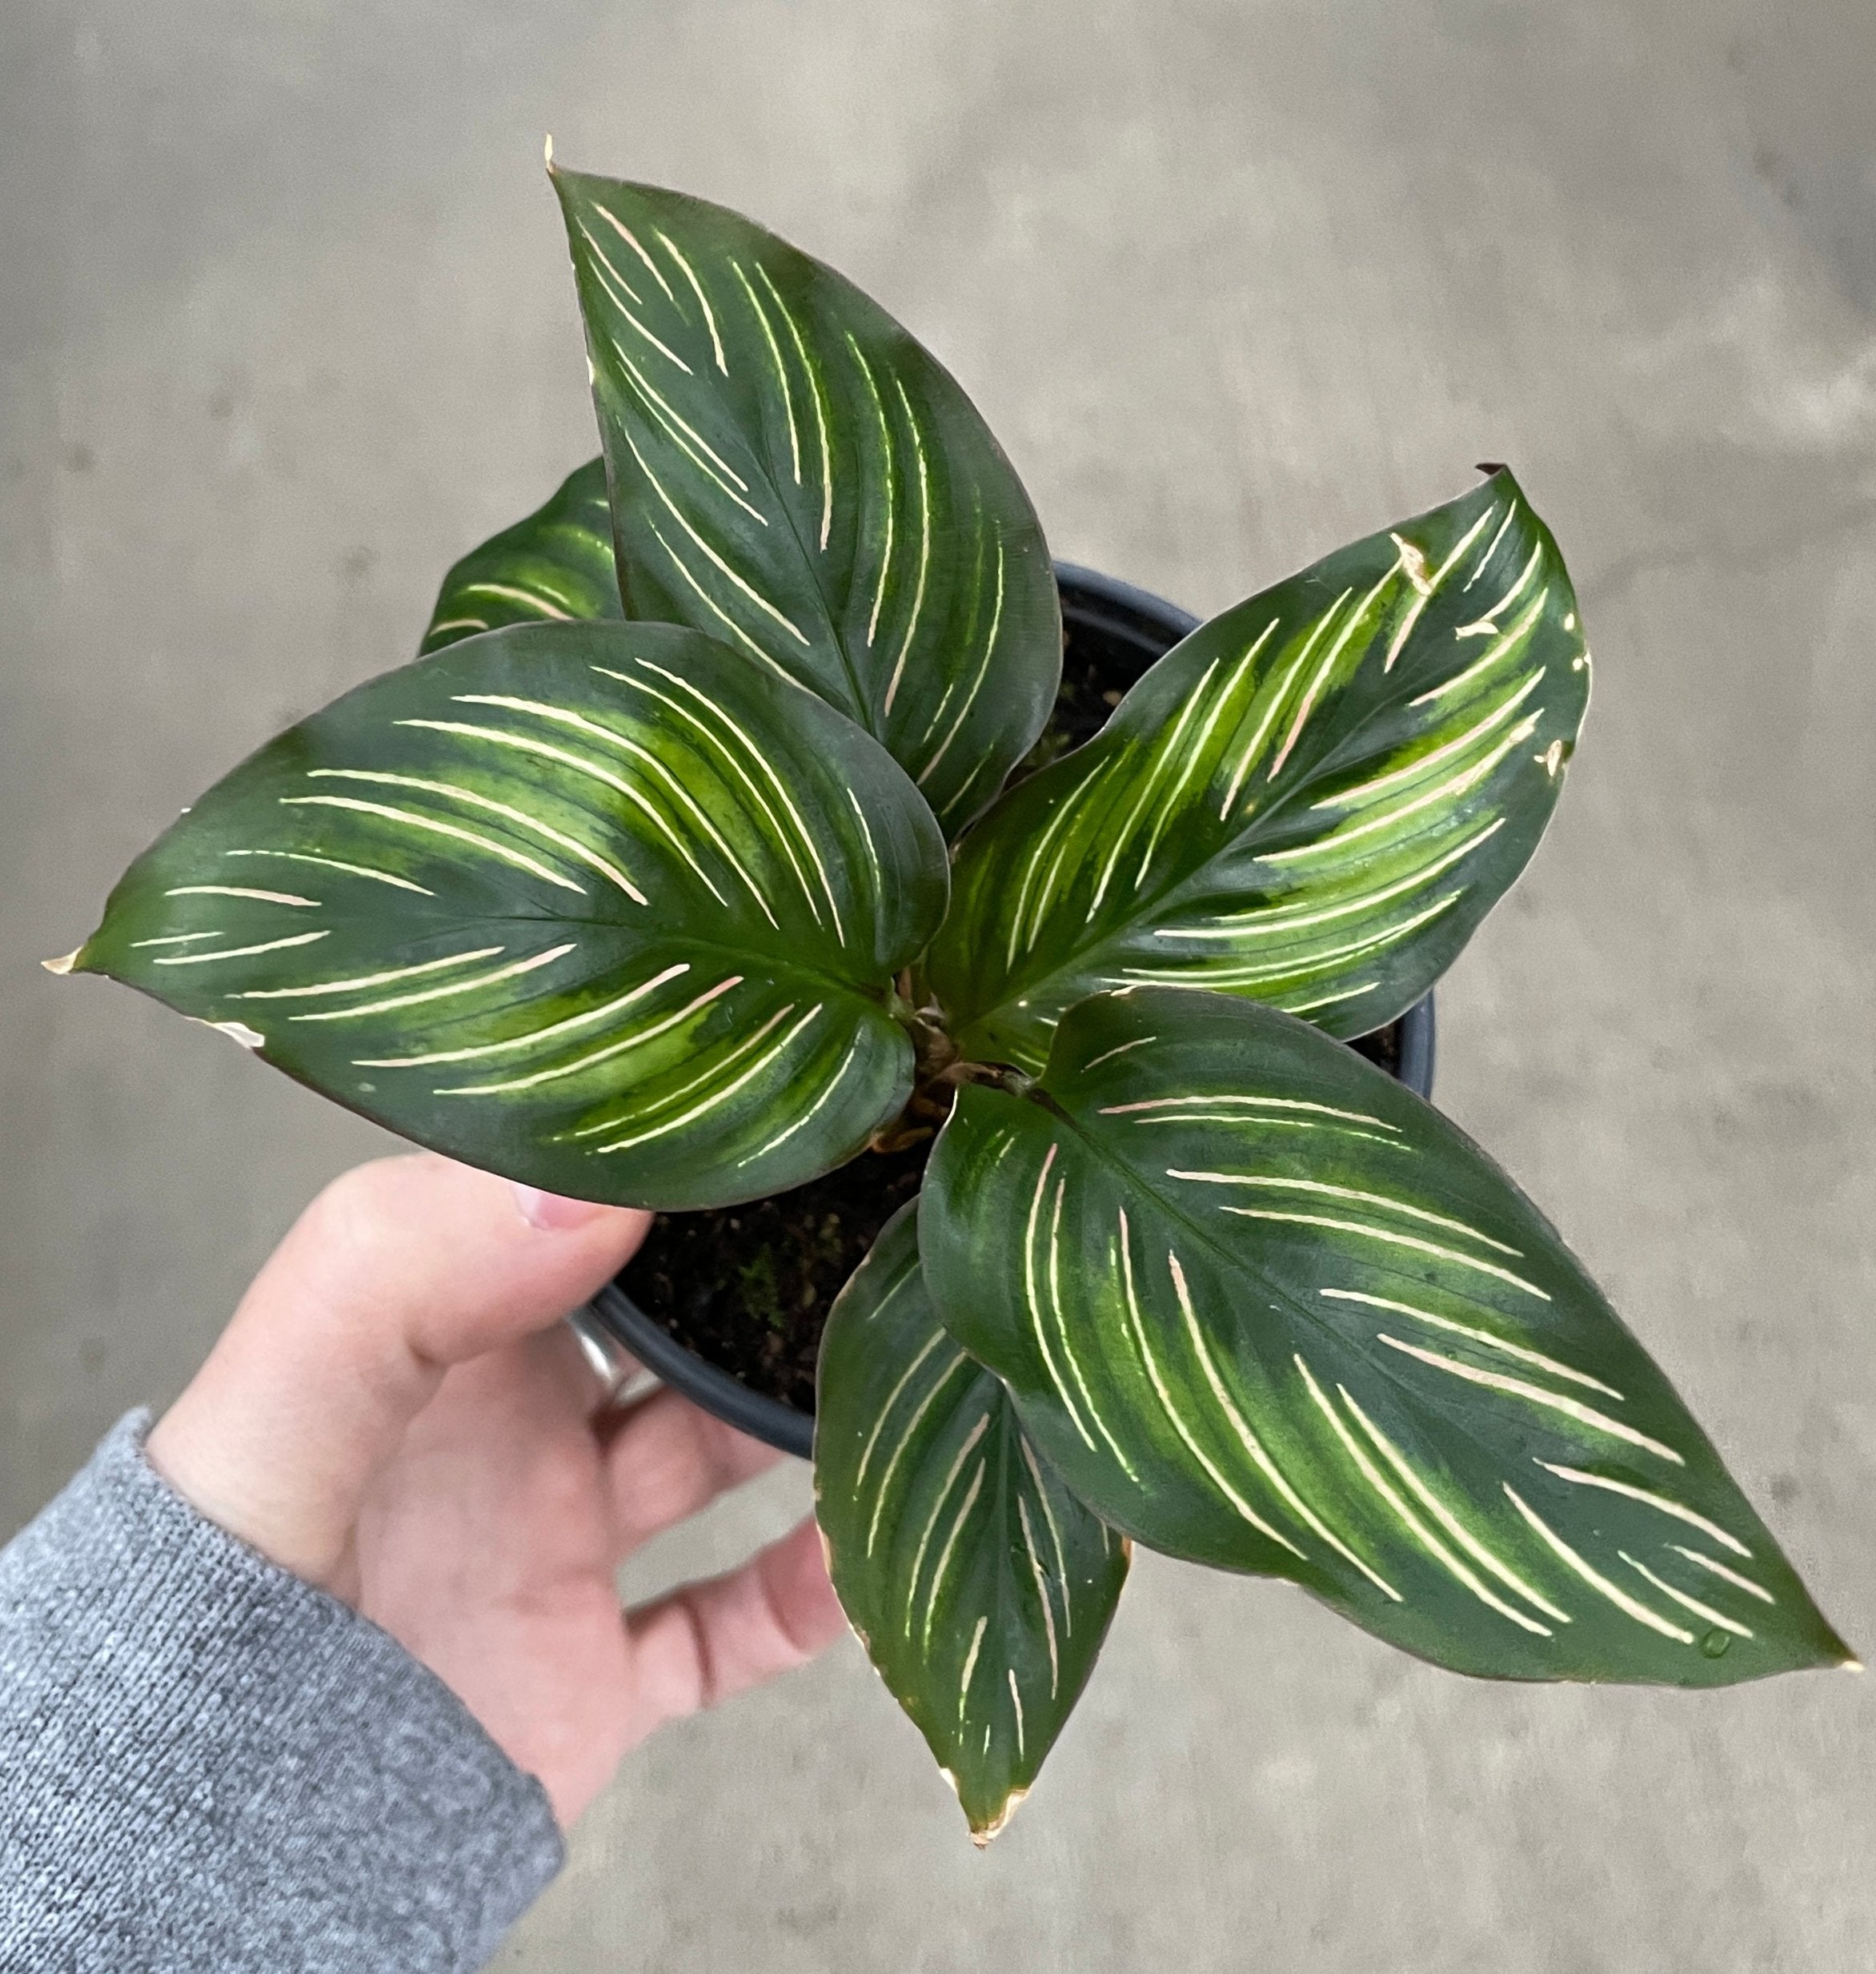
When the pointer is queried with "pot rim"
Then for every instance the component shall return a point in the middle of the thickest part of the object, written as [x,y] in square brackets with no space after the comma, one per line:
[1097,602]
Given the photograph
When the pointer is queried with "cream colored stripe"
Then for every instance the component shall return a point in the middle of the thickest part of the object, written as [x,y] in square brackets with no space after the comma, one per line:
[603,1013]
[501,852]
[1653,1500]
[1623,1601]
[1450,1522]
[511,972]
[367,980]
[1533,1394]
[1685,1602]
[905,1439]
[1725,1576]
[239,953]
[239,891]
[1391,1238]
[1213,1472]
[1349,1193]
[1272,1474]
[1489,1338]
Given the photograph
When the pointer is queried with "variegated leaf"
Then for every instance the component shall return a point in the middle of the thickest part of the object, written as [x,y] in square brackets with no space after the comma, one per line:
[599,906]
[792,473]
[1262,1307]
[1312,801]
[981,1587]
[554,566]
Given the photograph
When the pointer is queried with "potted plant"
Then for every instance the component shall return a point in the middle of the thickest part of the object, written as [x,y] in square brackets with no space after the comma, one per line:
[691,863]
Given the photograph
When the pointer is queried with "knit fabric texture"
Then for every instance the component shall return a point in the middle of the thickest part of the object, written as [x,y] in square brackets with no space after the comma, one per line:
[205,1763]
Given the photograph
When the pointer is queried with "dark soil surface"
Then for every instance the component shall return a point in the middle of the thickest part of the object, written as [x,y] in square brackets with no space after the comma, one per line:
[749,1287]
[1382,1047]
[1095,678]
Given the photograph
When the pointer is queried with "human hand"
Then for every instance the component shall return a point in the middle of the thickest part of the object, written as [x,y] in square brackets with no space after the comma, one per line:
[396,1415]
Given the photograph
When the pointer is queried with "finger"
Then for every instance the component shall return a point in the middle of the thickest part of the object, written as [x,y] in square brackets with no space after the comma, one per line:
[668,1459]
[396,1271]
[710,1641]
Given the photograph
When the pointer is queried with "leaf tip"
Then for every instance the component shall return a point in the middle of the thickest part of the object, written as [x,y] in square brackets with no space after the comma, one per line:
[64,964]
[984,1829]
[547,151]
[983,1834]
[1850,1665]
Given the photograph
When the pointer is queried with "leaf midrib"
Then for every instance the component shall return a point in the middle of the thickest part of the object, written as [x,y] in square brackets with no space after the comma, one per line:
[872,997]
[760,460]
[1072,961]
[1454,1407]
[812,565]
[1310,1318]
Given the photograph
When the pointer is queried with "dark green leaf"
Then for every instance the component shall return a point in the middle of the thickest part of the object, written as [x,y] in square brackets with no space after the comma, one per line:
[979,1585]
[1312,801]
[600,906]
[791,472]
[556,565]
[1263,1307]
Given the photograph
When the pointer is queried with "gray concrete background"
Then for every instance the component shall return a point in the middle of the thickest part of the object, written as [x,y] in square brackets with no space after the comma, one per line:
[287,327]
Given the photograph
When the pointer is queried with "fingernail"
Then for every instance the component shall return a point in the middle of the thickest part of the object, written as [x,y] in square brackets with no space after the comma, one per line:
[552,1212]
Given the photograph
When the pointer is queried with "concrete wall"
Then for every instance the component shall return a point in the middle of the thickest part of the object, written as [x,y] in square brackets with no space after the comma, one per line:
[286,325]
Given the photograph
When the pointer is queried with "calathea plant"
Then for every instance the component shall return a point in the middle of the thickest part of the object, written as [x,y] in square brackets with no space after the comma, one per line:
[681,868]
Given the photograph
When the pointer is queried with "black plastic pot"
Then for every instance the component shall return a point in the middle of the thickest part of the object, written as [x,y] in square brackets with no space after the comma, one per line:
[1135,628]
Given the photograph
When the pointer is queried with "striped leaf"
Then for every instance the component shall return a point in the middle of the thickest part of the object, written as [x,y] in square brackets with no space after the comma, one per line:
[981,1587]
[1264,1308]
[554,565]
[1312,801]
[599,906]
[792,473]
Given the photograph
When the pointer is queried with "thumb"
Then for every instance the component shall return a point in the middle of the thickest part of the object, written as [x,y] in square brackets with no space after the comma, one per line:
[396,1271]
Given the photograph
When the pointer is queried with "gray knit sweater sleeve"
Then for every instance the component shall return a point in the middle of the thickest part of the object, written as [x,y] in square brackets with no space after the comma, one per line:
[206,1763]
